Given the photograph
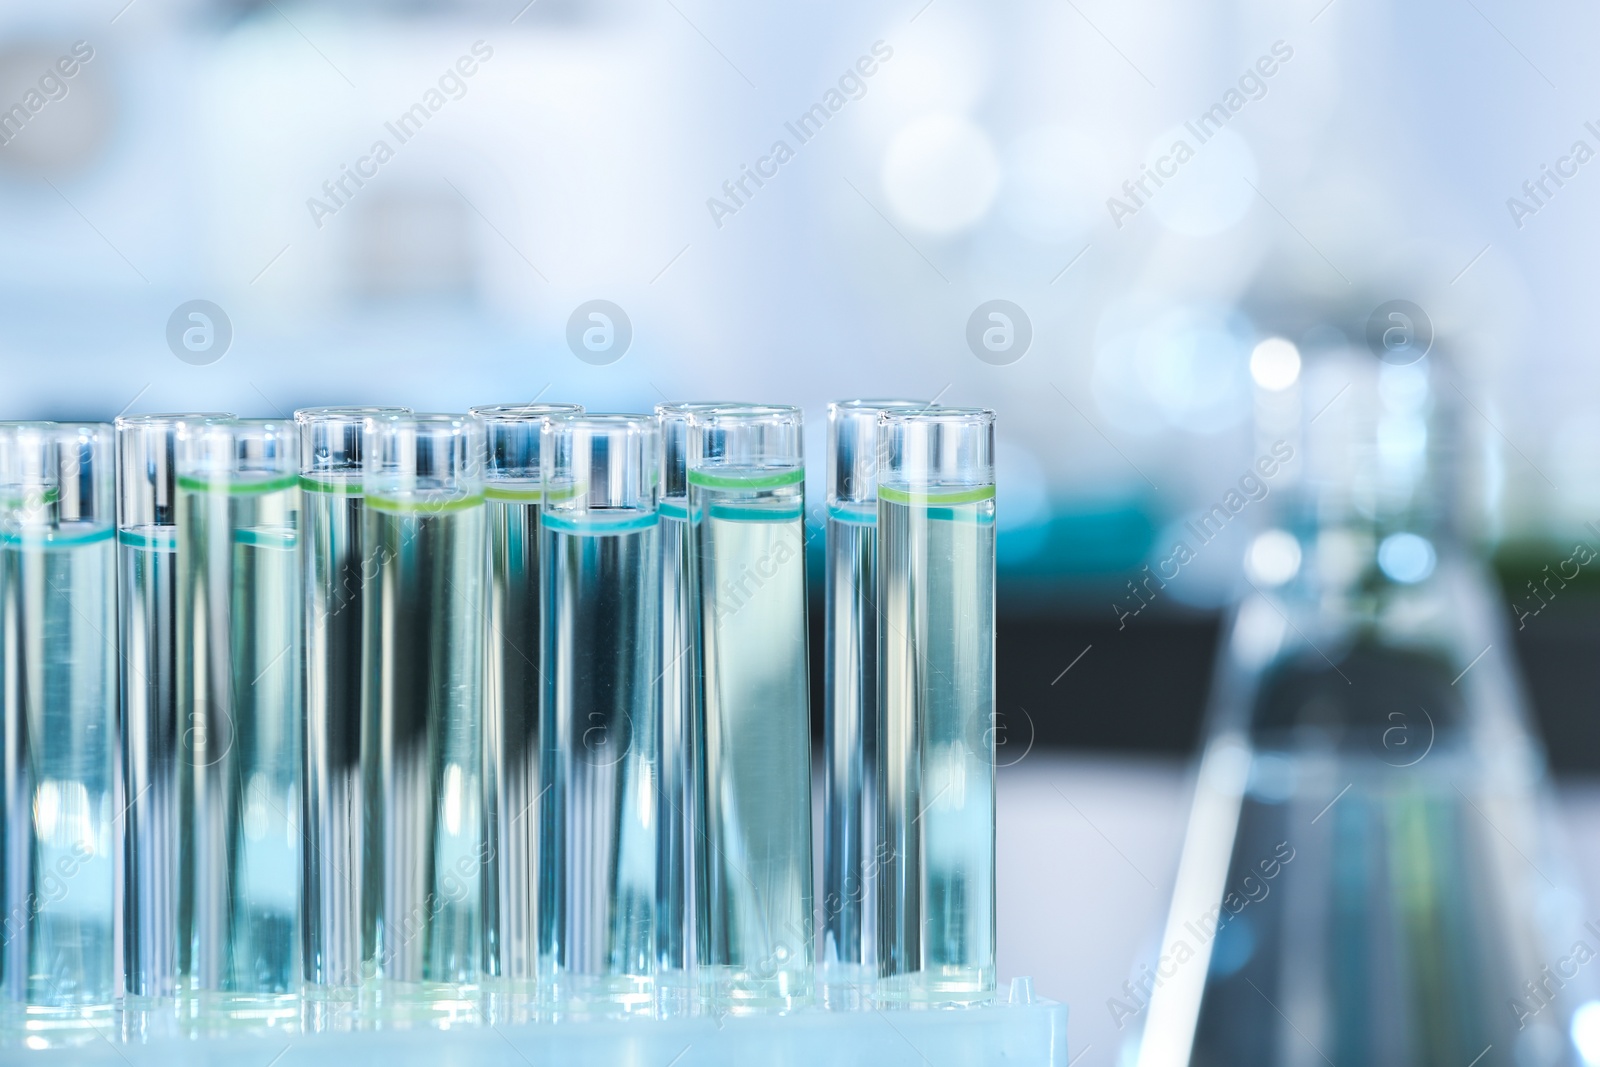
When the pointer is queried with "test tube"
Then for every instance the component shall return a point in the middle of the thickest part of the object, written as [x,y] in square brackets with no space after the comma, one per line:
[147,539]
[747,492]
[58,685]
[332,555]
[602,595]
[514,492]
[426,851]
[852,839]
[936,905]
[238,656]
[681,928]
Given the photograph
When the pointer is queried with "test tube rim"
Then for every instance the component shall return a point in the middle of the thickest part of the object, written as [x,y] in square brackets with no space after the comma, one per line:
[941,413]
[169,418]
[788,416]
[516,482]
[283,464]
[745,413]
[461,488]
[863,415]
[318,472]
[62,431]
[334,412]
[952,488]
[252,422]
[285,428]
[532,412]
[140,489]
[558,490]
[607,419]
[881,404]
[59,430]
[686,408]
[103,488]
[428,418]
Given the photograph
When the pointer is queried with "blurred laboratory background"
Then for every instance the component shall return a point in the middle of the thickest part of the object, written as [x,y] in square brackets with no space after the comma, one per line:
[1118,225]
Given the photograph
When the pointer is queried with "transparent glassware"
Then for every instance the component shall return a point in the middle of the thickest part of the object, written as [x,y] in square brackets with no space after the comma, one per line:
[147,569]
[58,758]
[1369,873]
[238,702]
[332,561]
[682,932]
[514,499]
[850,844]
[935,759]
[427,850]
[602,668]
[747,498]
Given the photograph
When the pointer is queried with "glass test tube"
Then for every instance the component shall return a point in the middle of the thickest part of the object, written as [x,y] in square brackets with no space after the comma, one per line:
[602,596]
[681,928]
[238,661]
[852,842]
[747,492]
[422,733]
[936,905]
[332,557]
[514,496]
[58,685]
[147,540]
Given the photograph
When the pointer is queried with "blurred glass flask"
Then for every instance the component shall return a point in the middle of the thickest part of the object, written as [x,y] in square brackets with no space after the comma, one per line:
[1367,876]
